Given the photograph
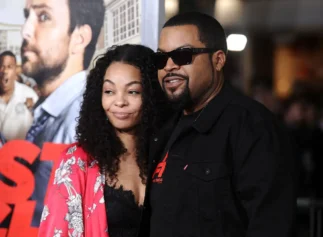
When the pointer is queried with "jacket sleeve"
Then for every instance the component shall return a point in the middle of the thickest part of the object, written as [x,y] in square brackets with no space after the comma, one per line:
[63,210]
[265,178]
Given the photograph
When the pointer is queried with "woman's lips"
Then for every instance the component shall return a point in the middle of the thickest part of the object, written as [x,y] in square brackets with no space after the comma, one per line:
[121,116]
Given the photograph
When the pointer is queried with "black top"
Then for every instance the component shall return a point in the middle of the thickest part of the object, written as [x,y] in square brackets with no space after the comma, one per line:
[229,172]
[123,213]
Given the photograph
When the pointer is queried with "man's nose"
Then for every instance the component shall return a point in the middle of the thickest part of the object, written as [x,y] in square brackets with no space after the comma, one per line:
[28,29]
[170,65]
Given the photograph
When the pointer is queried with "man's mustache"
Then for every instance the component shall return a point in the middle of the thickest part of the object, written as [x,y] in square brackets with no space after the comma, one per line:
[171,74]
[27,47]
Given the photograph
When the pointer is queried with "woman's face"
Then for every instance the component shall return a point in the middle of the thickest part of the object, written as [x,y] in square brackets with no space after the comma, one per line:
[121,96]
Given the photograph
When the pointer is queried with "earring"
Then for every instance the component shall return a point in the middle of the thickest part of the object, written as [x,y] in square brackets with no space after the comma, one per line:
[107,119]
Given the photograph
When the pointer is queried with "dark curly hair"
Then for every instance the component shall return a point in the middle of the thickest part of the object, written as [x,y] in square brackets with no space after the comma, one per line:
[95,134]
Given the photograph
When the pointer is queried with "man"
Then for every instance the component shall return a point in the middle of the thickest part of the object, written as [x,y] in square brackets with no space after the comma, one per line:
[15,100]
[227,167]
[60,38]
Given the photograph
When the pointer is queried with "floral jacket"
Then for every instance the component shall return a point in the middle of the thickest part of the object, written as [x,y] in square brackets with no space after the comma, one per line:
[74,206]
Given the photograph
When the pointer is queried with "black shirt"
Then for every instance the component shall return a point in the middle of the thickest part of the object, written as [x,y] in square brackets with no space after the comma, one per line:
[123,213]
[229,171]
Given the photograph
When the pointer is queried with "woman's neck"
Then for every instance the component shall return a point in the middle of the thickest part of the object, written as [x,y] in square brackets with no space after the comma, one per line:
[129,142]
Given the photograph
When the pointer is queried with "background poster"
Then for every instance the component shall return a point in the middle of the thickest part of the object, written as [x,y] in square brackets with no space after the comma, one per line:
[31,24]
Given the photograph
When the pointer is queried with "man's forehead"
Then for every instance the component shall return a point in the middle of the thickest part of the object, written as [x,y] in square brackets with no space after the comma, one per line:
[7,60]
[173,37]
[188,30]
[44,3]
[30,3]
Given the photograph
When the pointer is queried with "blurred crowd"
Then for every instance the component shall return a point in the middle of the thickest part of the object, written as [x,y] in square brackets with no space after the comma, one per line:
[302,114]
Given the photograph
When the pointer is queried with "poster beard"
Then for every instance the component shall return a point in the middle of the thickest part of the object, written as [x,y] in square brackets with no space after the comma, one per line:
[39,70]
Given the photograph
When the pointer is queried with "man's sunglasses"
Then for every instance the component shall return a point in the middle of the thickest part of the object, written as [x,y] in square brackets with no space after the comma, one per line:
[180,57]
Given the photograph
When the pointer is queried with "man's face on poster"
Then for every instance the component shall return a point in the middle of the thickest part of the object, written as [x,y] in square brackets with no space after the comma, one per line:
[8,73]
[46,39]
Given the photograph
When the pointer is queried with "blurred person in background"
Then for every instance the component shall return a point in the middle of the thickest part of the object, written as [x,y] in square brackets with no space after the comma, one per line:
[262,91]
[320,118]
[301,119]
[24,79]
[16,100]
[314,141]
[319,167]
[294,115]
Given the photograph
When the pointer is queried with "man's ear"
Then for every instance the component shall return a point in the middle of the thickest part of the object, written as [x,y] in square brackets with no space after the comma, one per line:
[218,60]
[81,37]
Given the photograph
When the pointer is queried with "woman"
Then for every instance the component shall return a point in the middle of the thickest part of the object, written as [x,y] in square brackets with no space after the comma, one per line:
[99,186]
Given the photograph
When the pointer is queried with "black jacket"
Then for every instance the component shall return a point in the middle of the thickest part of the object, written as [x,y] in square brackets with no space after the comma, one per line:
[240,178]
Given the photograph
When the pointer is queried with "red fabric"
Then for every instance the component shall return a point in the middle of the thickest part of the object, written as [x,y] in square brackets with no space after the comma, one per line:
[75,202]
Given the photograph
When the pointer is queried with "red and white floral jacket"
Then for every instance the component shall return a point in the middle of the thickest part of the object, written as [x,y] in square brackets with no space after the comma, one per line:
[74,205]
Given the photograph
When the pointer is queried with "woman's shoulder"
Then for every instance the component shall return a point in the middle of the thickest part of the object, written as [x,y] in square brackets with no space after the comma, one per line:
[75,151]
[77,158]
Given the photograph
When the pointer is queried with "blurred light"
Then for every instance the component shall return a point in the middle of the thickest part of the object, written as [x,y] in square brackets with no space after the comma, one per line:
[236,42]
[284,87]
[228,11]
[171,8]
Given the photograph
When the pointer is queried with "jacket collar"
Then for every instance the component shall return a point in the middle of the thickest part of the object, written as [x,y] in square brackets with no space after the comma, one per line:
[212,111]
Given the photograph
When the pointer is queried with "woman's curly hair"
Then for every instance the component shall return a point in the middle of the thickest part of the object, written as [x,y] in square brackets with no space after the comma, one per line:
[95,134]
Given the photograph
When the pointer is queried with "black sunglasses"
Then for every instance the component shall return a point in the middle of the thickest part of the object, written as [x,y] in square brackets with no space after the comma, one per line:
[180,57]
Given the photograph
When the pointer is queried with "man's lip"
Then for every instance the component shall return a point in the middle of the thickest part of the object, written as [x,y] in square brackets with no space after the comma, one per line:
[174,83]
[24,52]
[169,79]
[26,49]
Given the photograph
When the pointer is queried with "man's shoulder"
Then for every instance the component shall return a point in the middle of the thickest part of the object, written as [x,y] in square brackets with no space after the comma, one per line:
[72,110]
[65,124]
[65,101]
[25,90]
[231,107]
[243,105]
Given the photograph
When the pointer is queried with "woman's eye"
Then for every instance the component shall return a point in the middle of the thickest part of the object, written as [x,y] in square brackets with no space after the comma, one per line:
[108,92]
[134,92]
